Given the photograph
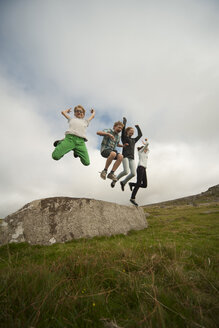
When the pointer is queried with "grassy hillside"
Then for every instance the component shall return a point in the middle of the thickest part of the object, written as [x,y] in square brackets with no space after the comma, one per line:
[163,276]
[209,196]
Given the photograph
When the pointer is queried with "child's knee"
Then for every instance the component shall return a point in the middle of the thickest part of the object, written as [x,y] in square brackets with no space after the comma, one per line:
[55,156]
[112,154]
[85,162]
[120,157]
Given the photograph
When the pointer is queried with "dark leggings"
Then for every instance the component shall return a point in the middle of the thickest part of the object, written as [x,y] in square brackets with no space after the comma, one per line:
[141,181]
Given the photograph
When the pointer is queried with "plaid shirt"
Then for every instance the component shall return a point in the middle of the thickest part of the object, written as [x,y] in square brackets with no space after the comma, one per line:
[107,142]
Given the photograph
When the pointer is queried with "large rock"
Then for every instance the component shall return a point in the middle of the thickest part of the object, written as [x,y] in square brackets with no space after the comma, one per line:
[60,219]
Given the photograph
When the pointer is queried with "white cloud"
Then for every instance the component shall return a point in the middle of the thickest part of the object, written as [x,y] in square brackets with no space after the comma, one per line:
[157,64]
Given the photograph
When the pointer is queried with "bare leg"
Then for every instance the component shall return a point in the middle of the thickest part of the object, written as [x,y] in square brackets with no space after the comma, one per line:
[117,162]
[110,159]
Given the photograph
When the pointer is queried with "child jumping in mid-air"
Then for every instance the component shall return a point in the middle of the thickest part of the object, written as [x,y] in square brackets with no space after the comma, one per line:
[75,137]
[108,150]
[141,171]
[128,154]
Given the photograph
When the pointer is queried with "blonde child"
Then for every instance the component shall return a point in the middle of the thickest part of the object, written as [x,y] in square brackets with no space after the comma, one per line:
[128,153]
[75,136]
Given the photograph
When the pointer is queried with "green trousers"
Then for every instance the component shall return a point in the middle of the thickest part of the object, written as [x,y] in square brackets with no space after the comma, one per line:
[72,142]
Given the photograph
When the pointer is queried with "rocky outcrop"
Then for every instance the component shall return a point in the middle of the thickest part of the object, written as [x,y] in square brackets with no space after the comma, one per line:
[212,191]
[60,219]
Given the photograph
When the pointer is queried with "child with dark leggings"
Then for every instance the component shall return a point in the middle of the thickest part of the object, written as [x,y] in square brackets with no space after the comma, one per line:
[141,172]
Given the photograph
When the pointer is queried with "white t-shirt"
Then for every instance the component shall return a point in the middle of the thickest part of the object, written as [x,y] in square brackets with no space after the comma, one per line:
[143,157]
[77,127]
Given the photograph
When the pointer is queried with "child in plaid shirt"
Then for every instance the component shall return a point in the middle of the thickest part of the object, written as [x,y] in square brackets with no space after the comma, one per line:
[111,139]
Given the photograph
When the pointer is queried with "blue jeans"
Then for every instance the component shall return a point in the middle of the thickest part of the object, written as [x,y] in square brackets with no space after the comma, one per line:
[127,162]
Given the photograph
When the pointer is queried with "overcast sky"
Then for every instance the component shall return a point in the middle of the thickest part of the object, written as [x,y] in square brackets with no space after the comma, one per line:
[155,62]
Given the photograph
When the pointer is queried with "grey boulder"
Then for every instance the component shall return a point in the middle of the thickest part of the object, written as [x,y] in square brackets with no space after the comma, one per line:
[60,219]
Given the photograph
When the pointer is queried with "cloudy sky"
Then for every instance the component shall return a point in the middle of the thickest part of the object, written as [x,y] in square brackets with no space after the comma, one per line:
[155,62]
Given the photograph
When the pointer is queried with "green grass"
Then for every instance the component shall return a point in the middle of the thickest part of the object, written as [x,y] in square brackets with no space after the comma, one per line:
[163,276]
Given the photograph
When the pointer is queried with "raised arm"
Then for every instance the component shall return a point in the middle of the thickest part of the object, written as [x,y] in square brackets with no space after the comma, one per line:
[139,133]
[123,129]
[66,112]
[145,143]
[92,114]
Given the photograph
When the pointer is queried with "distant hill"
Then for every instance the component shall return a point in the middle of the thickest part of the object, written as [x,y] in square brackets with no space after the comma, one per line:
[209,196]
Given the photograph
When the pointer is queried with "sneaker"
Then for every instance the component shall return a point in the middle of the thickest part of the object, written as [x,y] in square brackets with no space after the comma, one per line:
[112,176]
[113,183]
[133,202]
[56,143]
[122,185]
[103,174]
[130,186]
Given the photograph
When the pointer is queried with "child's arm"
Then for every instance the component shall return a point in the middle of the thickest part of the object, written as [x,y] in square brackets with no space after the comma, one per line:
[123,130]
[124,145]
[92,114]
[145,145]
[139,133]
[66,112]
[105,134]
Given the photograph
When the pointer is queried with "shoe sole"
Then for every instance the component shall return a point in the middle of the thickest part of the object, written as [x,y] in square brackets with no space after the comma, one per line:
[134,203]
[102,177]
[112,179]
[130,187]
[55,144]
[122,186]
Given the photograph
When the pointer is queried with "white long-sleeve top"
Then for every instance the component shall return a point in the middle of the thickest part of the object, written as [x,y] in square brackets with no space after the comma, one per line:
[143,156]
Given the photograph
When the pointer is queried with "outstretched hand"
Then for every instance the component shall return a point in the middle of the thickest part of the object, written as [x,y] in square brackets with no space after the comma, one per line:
[92,114]
[145,142]
[124,120]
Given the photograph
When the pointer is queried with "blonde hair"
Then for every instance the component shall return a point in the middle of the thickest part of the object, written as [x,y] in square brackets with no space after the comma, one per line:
[79,107]
[118,123]
[128,129]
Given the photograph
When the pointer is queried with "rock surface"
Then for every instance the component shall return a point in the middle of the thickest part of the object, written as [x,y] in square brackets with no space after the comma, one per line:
[60,219]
